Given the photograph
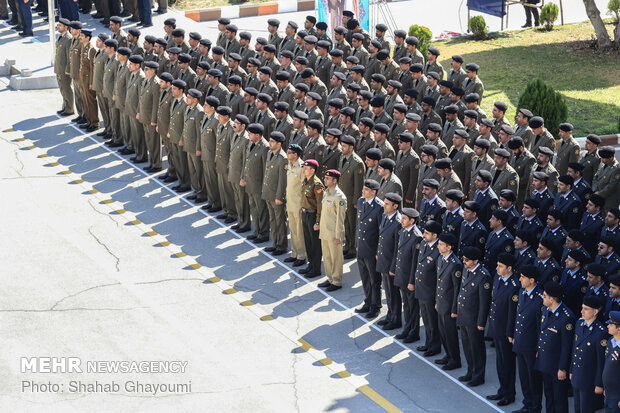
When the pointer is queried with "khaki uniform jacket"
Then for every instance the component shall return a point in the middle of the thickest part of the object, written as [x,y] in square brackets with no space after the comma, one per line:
[406,80]
[351,130]
[223,66]
[149,100]
[294,181]
[387,150]
[177,119]
[233,47]
[299,137]
[274,180]
[418,141]
[457,77]
[448,183]
[590,161]
[364,143]
[202,85]
[486,163]
[121,38]
[523,165]
[189,77]
[132,99]
[322,65]
[342,68]
[288,43]
[315,113]
[461,165]
[254,166]
[345,47]
[372,67]
[238,149]
[61,58]
[110,71]
[75,52]
[338,93]
[220,92]
[314,149]
[443,149]
[135,49]
[434,67]
[239,71]
[426,172]
[333,211]
[474,86]
[606,183]
[191,129]
[285,126]
[407,169]
[268,120]
[163,111]
[251,111]
[329,160]
[287,94]
[236,103]
[164,63]
[568,151]
[362,54]
[87,65]
[552,182]
[507,179]
[120,85]
[545,139]
[208,141]
[525,132]
[274,65]
[224,134]
[448,130]
[391,184]
[252,81]
[390,71]
[352,177]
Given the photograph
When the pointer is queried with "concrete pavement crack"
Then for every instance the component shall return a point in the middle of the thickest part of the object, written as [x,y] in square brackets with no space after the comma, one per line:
[118,261]
[16,153]
[102,213]
[169,279]
[72,309]
[80,292]
[389,381]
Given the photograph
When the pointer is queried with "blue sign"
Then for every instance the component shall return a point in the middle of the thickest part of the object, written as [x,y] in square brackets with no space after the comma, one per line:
[492,7]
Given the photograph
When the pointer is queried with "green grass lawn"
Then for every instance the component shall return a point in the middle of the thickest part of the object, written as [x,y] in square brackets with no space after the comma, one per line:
[202,4]
[589,80]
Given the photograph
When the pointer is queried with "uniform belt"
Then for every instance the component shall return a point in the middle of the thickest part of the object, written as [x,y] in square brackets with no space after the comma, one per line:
[310,211]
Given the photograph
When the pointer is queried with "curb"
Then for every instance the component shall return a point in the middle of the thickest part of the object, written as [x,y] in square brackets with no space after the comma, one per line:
[251,10]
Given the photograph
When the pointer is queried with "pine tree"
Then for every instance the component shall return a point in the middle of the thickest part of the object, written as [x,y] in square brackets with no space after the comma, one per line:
[542,100]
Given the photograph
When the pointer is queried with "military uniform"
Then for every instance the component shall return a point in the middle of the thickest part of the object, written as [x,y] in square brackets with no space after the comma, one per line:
[132,106]
[294,181]
[558,236]
[407,169]
[606,183]
[590,161]
[119,97]
[488,202]
[472,235]
[311,204]
[163,125]
[253,174]
[369,218]
[148,106]
[391,184]
[268,120]
[89,97]
[447,183]
[611,383]
[191,142]
[425,292]
[238,149]
[523,165]
[533,225]
[449,272]
[544,139]
[386,248]
[351,182]
[506,179]
[110,71]
[177,119]
[75,53]
[61,68]
[208,149]
[545,200]
[525,132]
[329,160]
[99,64]
[568,151]
[223,137]
[274,188]
[314,149]
[332,227]
[476,166]
[495,245]
[426,172]
[570,207]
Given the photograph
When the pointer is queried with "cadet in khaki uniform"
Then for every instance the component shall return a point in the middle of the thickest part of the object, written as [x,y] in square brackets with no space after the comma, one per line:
[351,181]
[332,230]
[163,124]
[522,162]
[542,137]
[110,71]
[504,176]
[135,140]
[606,182]
[252,181]
[148,106]
[407,168]
[190,142]
[449,179]
[238,149]
[89,98]
[568,149]
[175,132]
[311,203]
[75,52]
[274,193]
[208,149]
[294,181]
[119,94]
[591,158]
[62,67]
[223,137]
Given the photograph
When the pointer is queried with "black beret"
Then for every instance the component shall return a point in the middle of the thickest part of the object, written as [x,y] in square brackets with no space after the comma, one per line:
[87,32]
[609,240]
[400,33]
[357,36]
[64,21]
[223,20]
[300,114]
[457,91]
[235,80]
[166,77]
[223,110]
[263,97]
[256,128]
[340,76]
[452,109]
[288,54]
[541,176]
[195,93]
[515,142]
[507,129]
[340,30]
[606,152]
[134,32]
[315,124]
[429,101]
[382,55]
[382,128]
[504,153]
[310,39]
[273,22]
[217,50]
[548,244]
[405,60]
[281,106]
[413,93]
[150,38]
[251,91]
[508,195]
[462,133]
[185,58]
[526,113]
[235,56]
[455,195]
[576,166]
[554,290]
[111,43]
[594,138]
[485,175]
[161,41]
[412,41]
[277,136]
[171,21]
[377,101]
[433,226]
[592,301]
[270,48]
[405,137]
[348,139]
[334,132]
[487,122]
[136,58]
[507,259]
[314,96]
[446,83]
[597,200]
[434,75]
[266,70]
[387,163]
[614,211]
[103,37]
[244,120]
[434,127]
[179,83]
[303,87]
[348,111]
[448,238]
[116,19]
[394,197]
[458,58]
[414,117]
[471,97]
[444,163]
[381,27]
[530,271]
[536,122]
[566,127]
[302,33]
[501,215]
[306,73]
[152,65]
[501,106]
[174,50]
[430,150]
[245,35]
[532,203]
[416,68]
[527,236]
[566,180]
[215,72]
[473,67]
[374,154]
[577,255]
[311,19]
[545,151]
[576,235]
[336,103]
[377,77]
[232,28]
[323,44]
[434,51]
[482,143]
[254,61]
[358,68]
[365,94]
[302,60]
[598,270]
[431,183]
[411,212]
[472,253]
[178,33]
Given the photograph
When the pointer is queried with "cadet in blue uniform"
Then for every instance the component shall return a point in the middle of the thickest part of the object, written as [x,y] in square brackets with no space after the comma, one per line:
[388,237]
[473,233]
[611,371]
[529,221]
[449,275]
[574,242]
[525,253]
[499,240]
[425,288]
[554,348]
[580,186]
[432,207]
[555,232]
[614,292]
[505,297]
[525,337]
[597,288]
[547,265]
[369,211]
[485,197]
[586,369]
[473,308]
[592,222]
[453,216]
[403,270]
[574,281]
[612,225]
[541,193]
[507,199]
[567,202]
[607,255]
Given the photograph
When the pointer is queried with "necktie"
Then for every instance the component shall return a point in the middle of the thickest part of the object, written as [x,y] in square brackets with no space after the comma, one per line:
[495,177]
[453,154]
[270,156]
[260,116]
[467,83]
[278,124]
[344,160]
[536,139]
[478,163]
[252,146]
[163,96]
[241,51]
[383,221]
[294,137]
[176,101]
[209,91]
[261,88]
[235,138]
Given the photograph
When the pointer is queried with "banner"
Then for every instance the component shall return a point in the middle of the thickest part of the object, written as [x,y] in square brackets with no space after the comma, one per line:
[492,7]
[330,12]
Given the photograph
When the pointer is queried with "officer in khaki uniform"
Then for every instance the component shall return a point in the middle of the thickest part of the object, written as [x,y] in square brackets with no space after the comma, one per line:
[75,52]
[238,148]
[147,115]
[462,157]
[135,139]
[208,149]
[190,141]
[591,158]
[110,71]
[224,136]
[332,230]
[449,179]
[407,168]
[542,137]
[163,125]
[252,181]
[351,181]
[504,176]
[522,161]
[294,181]
[606,182]
[568,149]
[175,132]
[312,191]
[89,98]
[62,68]
[119,96]
[482,161]
[274,193]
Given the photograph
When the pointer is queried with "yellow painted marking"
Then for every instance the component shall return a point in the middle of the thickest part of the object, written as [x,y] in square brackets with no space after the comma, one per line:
[78,181]
[246,303]
[93,191]
[180,254]
[195,266]
[267,318]
[120,211]
[43,155]
[344,374]
[107,201]
[230,291]
[150,233]
[305,345]
[54,163]
[164,243]
[66,172]
[8,130]
[377,398]
[19,139]
[135,221]
[31,147]
[214,279]
[326,361]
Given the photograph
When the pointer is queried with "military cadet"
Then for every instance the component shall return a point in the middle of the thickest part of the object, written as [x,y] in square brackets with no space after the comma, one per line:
[332,230]
[216,87]
[462,157]
[451,124]
[270,61]
[135,140]
[173,61]
[149,48]
[425,287]
[427,169]
[597,287]
[444,97]
[264,115]
[485,197]
[178,36]
[275,38]
[340,43]
[333,110]
[388,235]
[500,240]
[231,45]
[246,51]
[547,265]
[606,182]
[472,310]
[234,60]
[457,74]
[351,182]
[522,128]
[614,293]
[504,176]
[169,26]
[223,136]
[222,22]
[568,149]
[288,42]
[284,123]
[574,280]
[118,33]
[453,216]
[366,139]
[432,65]
[485,133]
[133,35]
[403,269]
[412,120]
[544,165]
[524,338]
[522,162]
[162,56]
[312,195]
[89,97]
[433,134]
[110,71]
[323,61]
[389,181]
[555,232]
[286,91]
[379,114]
[274,193]
[119,93]
[100,60]
[473,84]
[294,182]
[412,50]
[405,78]
[612,364]
[252,182]
[208,150]
[407,168]
[554,348]
[499,120]
[429,116]
[164,101]
[235,99]
[472,233]
[574,242]
[580,185]
[347,114]
[506,203]
[316,144]
[381,131]
[524,243]
[369,218]
[252,79]
[449,179]
[607,254]
[364,110]
[482,161]
[238,149]
[175,132]
[591,159]
[471,101]
[147,115]
[502,315]
[62,67]
[542,137]
[249,100]
[315,85]
[567,202]
[311,106]
[541,193]
[612,225]
[190,141]
[299,135]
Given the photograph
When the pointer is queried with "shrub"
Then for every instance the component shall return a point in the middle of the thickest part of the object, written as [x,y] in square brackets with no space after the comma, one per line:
[614,10]
[478,27]
[549,14]
[542,100]
[424,36]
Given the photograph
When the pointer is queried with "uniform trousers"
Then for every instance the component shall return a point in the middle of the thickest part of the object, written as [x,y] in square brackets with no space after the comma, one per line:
[475,351]
[163,5]
[153,146]
[393,300]
[89,101]
[584,400]
[77,92]
[334,260]
[68,9]
[171,171]
[312,242]
[349,229]
[431,328]
[531,382]
[125,135]
[277,225]
[103,8]
[145,12]
[180,162]
[260,216]
[64,84]
[210,179]
[298,247]
[449,336]
[25,13]
[556,393]
[137,137]
[131,7]
[226,195]
[149,135]
[505,364]
[105,112]
[196,177]
[411,313]
[371,282]
[242,205]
